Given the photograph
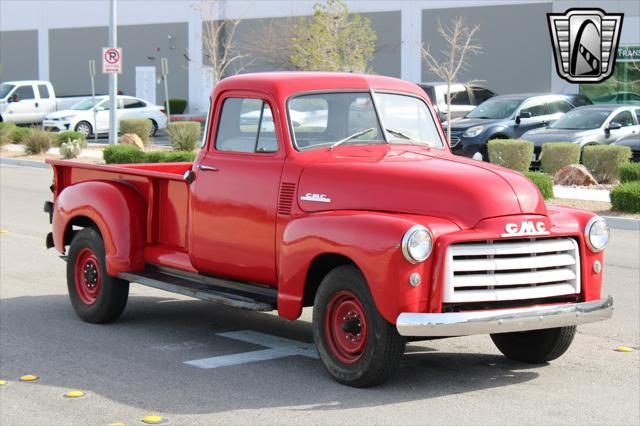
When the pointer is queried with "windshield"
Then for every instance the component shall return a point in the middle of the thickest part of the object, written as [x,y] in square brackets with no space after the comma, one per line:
[5,89]
[327,119]
[495,108]
[86,104]
[581,120]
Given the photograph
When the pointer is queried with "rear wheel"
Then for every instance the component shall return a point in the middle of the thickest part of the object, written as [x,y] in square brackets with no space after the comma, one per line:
[95,296]
[84,128]
[536,346]
[357,346]
[154,128]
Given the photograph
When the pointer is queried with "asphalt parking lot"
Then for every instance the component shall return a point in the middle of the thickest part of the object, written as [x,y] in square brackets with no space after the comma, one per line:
[144,363]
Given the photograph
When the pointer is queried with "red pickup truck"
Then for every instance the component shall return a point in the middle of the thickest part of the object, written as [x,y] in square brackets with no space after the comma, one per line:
[336,191]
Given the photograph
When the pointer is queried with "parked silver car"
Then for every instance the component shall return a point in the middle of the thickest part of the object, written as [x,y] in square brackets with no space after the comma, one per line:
[464,98]
[588,125]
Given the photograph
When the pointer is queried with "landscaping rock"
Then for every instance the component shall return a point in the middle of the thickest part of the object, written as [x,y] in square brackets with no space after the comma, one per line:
[132,139]
[575,174]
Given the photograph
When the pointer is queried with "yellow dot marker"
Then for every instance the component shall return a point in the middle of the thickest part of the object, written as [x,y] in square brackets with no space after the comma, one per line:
[3,231]
[152,419]
[74,394]
[3,382]
[29,378]
[623,349]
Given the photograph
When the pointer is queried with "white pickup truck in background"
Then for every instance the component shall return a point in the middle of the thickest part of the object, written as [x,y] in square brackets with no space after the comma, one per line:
[28,101]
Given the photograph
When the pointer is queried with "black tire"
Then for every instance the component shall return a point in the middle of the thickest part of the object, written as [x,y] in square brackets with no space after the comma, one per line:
[536,346]
[582,150]
[105,301]
[383,346]
[85,128]
[154,128]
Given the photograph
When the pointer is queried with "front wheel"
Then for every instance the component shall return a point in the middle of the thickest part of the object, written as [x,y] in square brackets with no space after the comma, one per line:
[357,346]
[95,296]
[536,346]
[153,129]
[84,128]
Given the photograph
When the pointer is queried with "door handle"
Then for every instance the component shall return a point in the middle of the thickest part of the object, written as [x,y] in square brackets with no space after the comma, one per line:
[207,168]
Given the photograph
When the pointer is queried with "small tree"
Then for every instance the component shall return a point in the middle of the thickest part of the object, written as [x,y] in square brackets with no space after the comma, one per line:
[218,41]
[459,44]
[333,41]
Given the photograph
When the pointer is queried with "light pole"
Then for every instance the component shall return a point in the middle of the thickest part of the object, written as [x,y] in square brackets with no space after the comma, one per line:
[113,79]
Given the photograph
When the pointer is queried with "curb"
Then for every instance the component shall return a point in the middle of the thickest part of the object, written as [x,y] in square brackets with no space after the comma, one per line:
[24,163]
[625,223]
[614,222]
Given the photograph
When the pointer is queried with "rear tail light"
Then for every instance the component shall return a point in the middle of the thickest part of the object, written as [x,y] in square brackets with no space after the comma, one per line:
[162,110]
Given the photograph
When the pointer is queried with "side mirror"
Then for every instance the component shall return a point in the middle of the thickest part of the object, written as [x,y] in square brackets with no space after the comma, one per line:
[521,115]
[614,125]
[13,98]
[99,108]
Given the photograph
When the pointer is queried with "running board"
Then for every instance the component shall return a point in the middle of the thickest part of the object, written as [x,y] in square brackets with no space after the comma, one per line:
[199,290]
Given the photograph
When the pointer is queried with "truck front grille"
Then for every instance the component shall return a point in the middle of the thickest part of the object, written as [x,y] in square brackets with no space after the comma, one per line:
[511,270]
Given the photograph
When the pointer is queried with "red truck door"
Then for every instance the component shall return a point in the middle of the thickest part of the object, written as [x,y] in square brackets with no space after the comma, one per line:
[235,192]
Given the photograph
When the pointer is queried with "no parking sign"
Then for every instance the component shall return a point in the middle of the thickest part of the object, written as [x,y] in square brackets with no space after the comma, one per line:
[112,60]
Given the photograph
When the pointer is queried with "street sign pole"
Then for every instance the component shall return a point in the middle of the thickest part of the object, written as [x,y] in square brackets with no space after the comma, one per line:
[113,79]
[92,73]
[165,73]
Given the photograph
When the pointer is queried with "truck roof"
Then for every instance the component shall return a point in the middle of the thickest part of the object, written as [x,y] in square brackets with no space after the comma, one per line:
[284,84]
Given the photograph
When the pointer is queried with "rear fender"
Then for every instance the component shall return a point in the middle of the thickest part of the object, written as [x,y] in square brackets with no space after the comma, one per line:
[371,241]
[120,214]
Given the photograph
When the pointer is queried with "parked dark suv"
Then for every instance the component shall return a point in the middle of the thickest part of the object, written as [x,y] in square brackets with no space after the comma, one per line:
[508,117]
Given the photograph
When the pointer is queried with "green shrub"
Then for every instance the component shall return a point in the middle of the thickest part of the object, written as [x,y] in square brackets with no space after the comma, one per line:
[122,154]
[141,127]
[18,134]
[169,157]
[543,182]
[629,172]
[184,135]
[511,153]
[602,161]
[5,130]
[556,155]
[64,137]
[36,142]
[626,197]
[176,106]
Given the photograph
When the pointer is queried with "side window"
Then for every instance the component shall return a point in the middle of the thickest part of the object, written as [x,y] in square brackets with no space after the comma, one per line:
[246,125]
[481,94]
[133,103]
[638,115]
[459,98]
[24,92]
[559,106]
[624,118]
[535,108]
[44,91]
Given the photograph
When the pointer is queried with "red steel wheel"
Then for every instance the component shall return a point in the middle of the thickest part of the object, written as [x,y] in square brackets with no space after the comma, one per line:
[87,276]
[346,327]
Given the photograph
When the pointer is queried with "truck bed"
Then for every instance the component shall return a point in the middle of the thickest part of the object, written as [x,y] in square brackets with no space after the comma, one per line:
[159,184]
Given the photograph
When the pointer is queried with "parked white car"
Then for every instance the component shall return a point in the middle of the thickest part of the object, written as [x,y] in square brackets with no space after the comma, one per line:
[29,101]
[80,117]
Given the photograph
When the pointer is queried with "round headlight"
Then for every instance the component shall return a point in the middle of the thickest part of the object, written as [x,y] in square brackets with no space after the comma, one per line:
[417,244]
[597,234]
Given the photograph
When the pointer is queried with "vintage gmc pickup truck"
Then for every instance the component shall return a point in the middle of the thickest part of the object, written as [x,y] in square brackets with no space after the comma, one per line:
[335,191]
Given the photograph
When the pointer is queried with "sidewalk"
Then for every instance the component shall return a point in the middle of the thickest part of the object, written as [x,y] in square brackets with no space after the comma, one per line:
[581,193]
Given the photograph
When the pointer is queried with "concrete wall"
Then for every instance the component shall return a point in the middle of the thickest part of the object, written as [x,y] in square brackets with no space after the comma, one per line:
[516,53]
[143,45]
[18,55]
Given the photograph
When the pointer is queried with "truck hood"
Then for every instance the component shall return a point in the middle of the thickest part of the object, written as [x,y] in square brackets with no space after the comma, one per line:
[415,180]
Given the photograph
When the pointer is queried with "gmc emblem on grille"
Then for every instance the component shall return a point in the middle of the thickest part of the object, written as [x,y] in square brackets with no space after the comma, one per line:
[525,228]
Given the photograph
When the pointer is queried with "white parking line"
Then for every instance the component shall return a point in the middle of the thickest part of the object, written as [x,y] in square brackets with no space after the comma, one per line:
[279,347]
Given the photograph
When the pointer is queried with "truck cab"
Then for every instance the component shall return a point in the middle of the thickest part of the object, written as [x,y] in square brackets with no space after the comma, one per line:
[336,191]
[27,101]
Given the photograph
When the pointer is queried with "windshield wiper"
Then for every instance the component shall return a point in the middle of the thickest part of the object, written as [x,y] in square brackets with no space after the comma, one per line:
[405,136]
[355,135]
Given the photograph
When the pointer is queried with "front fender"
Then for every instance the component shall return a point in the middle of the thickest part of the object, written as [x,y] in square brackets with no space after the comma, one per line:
[120,214]
[372,241]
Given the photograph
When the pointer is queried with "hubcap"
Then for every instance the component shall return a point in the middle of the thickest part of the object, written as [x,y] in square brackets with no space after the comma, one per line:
[87,276]
[346,327]
[84,129]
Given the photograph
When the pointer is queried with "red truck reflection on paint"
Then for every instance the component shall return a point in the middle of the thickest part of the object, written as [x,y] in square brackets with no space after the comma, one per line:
[336,191]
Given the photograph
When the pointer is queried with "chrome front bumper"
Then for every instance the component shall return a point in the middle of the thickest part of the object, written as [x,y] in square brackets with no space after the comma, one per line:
[503,320]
